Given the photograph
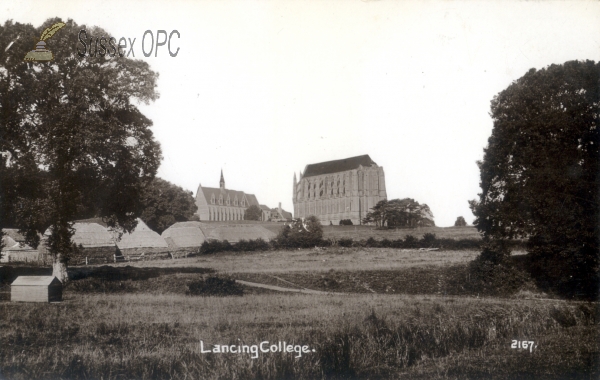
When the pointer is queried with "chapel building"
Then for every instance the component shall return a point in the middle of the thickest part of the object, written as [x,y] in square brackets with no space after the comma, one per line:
[221,204]
[340,189]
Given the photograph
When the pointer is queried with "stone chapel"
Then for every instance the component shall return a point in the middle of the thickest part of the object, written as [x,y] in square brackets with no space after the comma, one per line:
[340,189]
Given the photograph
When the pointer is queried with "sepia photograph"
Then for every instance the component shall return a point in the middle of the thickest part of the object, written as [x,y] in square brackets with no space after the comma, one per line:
[359,189]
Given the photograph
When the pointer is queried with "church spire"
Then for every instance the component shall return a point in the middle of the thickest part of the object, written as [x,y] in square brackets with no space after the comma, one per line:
[222,181]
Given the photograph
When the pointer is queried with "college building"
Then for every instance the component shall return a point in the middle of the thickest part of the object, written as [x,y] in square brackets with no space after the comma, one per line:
[340,189]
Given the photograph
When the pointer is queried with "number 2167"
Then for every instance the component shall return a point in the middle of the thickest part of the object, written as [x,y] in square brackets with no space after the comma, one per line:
[523,344]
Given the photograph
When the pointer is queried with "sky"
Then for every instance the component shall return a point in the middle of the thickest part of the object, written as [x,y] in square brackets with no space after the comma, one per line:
[260,89]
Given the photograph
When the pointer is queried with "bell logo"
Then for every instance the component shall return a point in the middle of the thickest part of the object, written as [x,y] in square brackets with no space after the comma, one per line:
[41,53]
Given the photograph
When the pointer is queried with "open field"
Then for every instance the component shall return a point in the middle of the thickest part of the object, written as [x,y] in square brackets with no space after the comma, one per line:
[400,314]
[146,336]
[318,260]
[365,232]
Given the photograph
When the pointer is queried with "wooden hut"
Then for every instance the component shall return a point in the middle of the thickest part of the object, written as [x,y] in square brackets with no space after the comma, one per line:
[36,289]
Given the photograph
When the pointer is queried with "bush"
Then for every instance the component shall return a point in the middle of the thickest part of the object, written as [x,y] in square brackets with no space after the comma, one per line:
[345,242]
[215,286]
[428,240]
[251,245]
[301,234]
[346,222]
[214,246]
[410,241]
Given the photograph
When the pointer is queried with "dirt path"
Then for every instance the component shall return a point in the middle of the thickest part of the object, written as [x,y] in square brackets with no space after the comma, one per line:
[280,289]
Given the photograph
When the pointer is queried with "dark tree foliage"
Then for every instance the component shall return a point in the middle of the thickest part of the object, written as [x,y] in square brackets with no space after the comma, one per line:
[460,222]
[400,213]
[74,144]
[301,233]
[163,204]
[253,213]
[540,174]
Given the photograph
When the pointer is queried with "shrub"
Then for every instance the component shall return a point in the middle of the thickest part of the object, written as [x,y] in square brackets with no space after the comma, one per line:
[215,286]
[345,242]
[410,241]
[214,246]
[371,242]
[428,240]
[346,222]
[301,234]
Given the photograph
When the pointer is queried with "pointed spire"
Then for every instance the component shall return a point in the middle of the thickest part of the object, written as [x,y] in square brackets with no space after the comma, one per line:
[295,180]
[222,181]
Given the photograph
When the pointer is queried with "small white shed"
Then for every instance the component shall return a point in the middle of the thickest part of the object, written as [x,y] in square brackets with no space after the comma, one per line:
[36,289]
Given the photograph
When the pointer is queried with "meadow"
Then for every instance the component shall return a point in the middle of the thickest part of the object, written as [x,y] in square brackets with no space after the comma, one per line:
[389,313]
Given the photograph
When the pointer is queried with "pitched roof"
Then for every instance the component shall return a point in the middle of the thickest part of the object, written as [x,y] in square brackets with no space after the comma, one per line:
[236,232]
[337,166]
[14,234]
[141,237]
[35,280]
[184,235]
[91,235]
[263,207]
[286,215]
[209,191]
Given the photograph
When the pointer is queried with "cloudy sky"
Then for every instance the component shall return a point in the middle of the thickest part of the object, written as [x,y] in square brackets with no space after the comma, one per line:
[260,89]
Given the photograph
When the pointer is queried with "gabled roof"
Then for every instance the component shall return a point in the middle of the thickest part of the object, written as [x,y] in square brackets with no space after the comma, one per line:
[91,235]
[236,232]
[35,280]
[286,215]
[184,235]
[209,191]
[141,237]
[265,208]
[337,166]
[14,234]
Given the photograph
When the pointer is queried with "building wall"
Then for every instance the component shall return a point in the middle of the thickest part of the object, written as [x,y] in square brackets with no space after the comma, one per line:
[343,195]
[214,211]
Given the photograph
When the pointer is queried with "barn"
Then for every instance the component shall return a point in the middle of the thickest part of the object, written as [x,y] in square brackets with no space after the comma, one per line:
[236,232]
[184,235]
[95,244]
[36,289]
[144,241]
[15,251]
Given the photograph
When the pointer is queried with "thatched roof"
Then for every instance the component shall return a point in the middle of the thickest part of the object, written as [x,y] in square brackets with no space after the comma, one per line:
[14,234]
[92,235]
[236,232]
[184,235]
[141,237]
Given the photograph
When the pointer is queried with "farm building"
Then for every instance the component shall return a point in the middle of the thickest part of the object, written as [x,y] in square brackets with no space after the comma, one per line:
[236,232]
[15,249]
[142,240]
[93,241]
[184,235]
[36,289]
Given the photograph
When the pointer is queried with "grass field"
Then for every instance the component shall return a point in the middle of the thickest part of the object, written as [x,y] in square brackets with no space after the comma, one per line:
[400,314]
[365,232]
[145,336]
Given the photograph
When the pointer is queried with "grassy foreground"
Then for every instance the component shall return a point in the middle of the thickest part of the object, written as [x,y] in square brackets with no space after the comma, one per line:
[145,336]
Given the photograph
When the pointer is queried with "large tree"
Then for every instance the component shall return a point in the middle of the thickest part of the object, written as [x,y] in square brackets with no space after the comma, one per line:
[74,143]
[400,213]
[540,173]
[163,204]
[253,213]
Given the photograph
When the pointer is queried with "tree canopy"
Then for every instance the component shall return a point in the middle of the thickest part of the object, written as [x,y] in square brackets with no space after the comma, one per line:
[540,173]
[400,213]
[163,204]
[253,213]
[460,222]
[74,143]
